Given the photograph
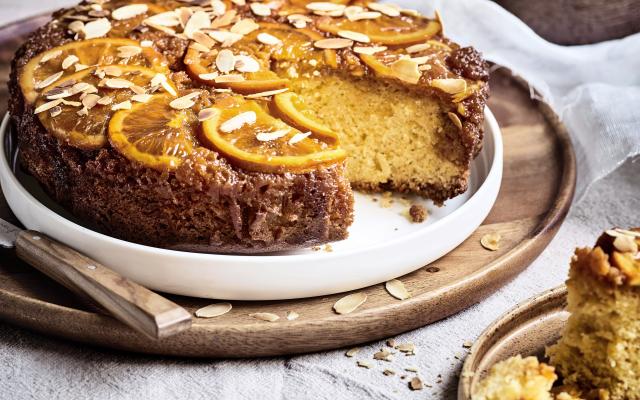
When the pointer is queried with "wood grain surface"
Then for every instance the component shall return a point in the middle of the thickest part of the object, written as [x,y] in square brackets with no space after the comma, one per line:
[537,189]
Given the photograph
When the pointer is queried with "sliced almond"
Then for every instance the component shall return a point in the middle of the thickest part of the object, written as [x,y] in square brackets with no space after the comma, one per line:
[491,241]
[397,289]
[455,119]
[125,105]
[55,111]
[416,384]
[199,20]
[349,303]
[239,2]
[406,70]
[184,13]
[355,36]
[213,310]
[266,94]
[365,15]
[369,50]
[389,372]
[298,137]
[184,102]
[237,122]
[209,76]
[224,20]
[244,26]
[80,67]
[225,61]
[50,56]
[218,7]
[292,315]
[268,39]
[265,316]
[207,113]
[146,43]
[385,8]
[364,364]
[417,48]
[47,106]
[246,64]
[105,100]
[129,51]
[450,85]
[129,11]
[625,244]
[90,101]
[408,348]
[118,83]
[350,11]
[141,98]
[229,78]
[269,136]
[352,352]
[298,20]
[421,60]
[97,28]
[49,80]
[165,19]
[260,9]
[324,6]
[412,369]
[383,355]
[225,37]
[76,26]
[333,43]
[635,234]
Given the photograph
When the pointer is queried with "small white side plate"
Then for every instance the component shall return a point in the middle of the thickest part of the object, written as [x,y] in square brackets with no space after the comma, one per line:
[383,243]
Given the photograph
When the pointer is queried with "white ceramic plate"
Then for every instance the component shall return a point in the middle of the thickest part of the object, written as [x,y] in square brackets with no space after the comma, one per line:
[383,244]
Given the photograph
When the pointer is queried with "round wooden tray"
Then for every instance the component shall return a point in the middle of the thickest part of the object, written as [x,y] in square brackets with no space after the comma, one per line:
[527,329]
[537,189]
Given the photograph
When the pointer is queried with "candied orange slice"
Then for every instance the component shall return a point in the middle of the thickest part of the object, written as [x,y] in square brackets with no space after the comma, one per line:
[251,138]
[154,134]
[77,109]
[273,50]
[49,67]
[385,30]
[290,107]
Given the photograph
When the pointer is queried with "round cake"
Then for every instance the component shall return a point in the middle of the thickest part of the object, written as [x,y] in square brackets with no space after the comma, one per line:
[242,127]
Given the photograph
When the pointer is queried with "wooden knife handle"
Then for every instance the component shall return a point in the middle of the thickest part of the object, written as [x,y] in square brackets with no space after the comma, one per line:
[136,306]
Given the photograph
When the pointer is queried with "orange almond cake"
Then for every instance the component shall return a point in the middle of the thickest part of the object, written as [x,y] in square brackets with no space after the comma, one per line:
[237,126]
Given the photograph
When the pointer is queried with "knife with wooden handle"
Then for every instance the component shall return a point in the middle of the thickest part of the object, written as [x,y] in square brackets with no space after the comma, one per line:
[134,305]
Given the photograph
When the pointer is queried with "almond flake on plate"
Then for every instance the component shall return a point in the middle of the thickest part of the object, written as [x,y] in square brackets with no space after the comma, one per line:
[237,122]
[47,106]
[269,136]
[292,315]
[49,80]
[129,11]
[260,9]
[266,94]
[416,384]
[141,98]
[385,8]
[50,56]
[298,137]
[213,310]
[349,303]
[125,105]
[333,43]
[408,348]
[97,28]
[355,36]
[369,50]
[396,288]
[207,113]
[268,39]
[264,316]
[383,355]
[352,352]
[364,364]
[244,26]
[491,241]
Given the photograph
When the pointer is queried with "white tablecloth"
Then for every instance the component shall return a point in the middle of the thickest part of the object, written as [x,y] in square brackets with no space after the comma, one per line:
[33,366]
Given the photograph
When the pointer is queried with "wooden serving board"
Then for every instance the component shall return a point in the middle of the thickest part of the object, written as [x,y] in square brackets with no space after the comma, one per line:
[537,189]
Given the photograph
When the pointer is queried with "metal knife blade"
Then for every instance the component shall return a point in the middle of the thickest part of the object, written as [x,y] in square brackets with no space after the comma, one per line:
[8,234]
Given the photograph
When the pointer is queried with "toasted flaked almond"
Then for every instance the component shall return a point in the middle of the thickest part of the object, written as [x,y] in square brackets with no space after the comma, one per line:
[207,113]
[209,76]
[118,83]
[146,43]
[412,369]
[324,6]
[237,122]
[396,288]
[90,100]
[71,103]
[467,344]
[352,352]
[125,105]
[83,111]
[355,36]
[105,100]
[298,137]
[246,64]
[385,8]
[438,18]
[292,315]
[47,106]
[55,111]
[213,310]
[333,13]
[138,89]
[266,94]
[268,39]
[141,98]
[224,20]
[389,372]
[364,364]
[417,48]
[184,13]
[244,26]
[199,20]
[203,39]
[350,11]
[50,56]
[298,20]
[165,19]
[455,119]
[365,15]
[421,60]
[618,232]
[129,51]
[450,85]
[224,36]
[80,67]
[265,316]
[49,80]
[416,384]
[333,43]
[111,70]
[239,2]
[406,70]
[218,7]
[76,26]
[269,136]
[97,28]
[200,47]
[161,80]
[184,102]
[369,50]
[225,61]
[129,11]
[383,355]
[229,78]
[406,348]
[349,303]
[625,244]
[260,9]
[491,241]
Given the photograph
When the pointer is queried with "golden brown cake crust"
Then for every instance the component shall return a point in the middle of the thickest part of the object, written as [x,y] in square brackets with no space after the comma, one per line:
[226,209]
